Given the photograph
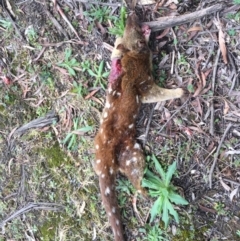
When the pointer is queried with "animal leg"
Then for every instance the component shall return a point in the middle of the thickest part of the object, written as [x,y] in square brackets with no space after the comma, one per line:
[156,94]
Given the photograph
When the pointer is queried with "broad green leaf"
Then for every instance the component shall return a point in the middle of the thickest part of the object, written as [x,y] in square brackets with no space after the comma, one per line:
[92,73]
[177,199]
[71,71]
[100,69]
[156,208]
[153,178]
[67,138]
[105,75]
[85,129]
[159,167]
[68,53]
[151,185]
[165,215]
[171,169]
[172,211]
[72,140]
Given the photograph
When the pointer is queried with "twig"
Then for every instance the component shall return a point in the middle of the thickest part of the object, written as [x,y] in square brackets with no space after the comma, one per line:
[57,24]
[148,126]
[66,20]
[233,182]
[211,130]
[215,70]
[173,115]
[168,22]
[216,154]
[32,206]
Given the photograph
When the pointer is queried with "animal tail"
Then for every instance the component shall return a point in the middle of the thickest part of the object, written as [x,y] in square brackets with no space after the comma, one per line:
[108,194]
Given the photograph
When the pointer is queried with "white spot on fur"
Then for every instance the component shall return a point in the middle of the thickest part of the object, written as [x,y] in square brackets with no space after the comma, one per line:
[105,167]
[103,175]
[131,126]
[111,170]
[134,172]
[118,94]
[149,77]
[114,92]
[117,222]
[128,162]
[137,99]
[118,233]
[134,159]
[110,90]
[136,146]
[105,115]
[134,153]
[113,210]
[107,105]
[98,161]
[112,160]
[107,191]
[127,148]
[109,214]
[101,130]
[97,147]
[134,116]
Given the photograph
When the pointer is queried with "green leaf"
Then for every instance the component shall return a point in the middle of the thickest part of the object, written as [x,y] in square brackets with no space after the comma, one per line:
[156,208]
[92,73]
[67,138]
[177,199]
[171,169]
[73,140]
[153,178]
[71,71]
[105,75]
[85,129]
[165,216]
[100,68]
[159,167]
[151,185]
[172,211]
[68,53]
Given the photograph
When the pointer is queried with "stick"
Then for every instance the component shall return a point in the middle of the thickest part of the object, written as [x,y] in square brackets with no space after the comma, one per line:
[216,155]
[168,22]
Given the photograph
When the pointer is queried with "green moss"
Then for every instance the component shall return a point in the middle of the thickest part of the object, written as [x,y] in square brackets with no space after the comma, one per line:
[54,155]
[189,233]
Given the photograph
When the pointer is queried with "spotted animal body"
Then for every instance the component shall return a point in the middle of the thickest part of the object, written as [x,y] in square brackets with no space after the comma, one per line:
[130,83]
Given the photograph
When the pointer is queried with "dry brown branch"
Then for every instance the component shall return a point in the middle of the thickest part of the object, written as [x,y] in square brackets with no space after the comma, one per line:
[213,88]
[32,206]
[217,153]
[168,22]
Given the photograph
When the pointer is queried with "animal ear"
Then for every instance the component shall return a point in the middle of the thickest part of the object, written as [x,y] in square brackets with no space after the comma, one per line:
[122,48]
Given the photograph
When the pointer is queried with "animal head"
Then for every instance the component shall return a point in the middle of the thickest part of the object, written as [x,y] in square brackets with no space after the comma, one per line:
[133,38]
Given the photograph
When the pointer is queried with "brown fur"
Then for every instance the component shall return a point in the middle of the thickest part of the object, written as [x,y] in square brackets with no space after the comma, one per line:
[115,144]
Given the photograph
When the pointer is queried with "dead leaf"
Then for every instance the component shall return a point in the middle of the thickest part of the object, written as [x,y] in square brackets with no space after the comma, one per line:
[197,106]
[163,34]
[167,114]
[193,31]
[221,40]
[194,28]
[233,193]
[225,186]
[226,107]
[92,93]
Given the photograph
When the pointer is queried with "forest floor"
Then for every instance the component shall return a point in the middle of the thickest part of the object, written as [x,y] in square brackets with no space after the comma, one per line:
[54,63]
